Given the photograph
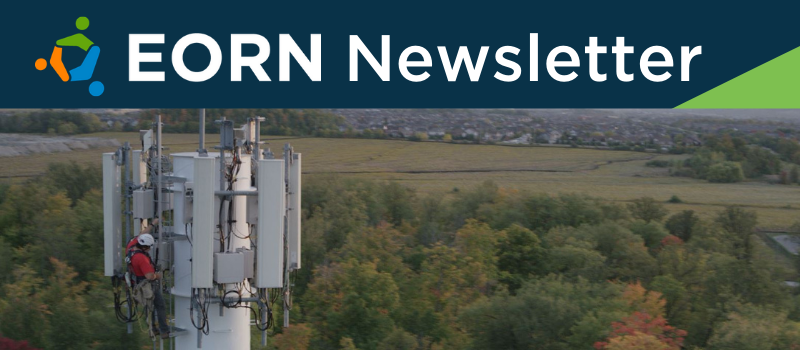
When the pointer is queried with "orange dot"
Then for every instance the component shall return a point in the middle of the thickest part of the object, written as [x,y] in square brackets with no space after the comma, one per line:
[41,64]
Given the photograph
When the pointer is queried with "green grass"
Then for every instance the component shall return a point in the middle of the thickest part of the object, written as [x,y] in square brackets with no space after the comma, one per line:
[352,155]
[432,167]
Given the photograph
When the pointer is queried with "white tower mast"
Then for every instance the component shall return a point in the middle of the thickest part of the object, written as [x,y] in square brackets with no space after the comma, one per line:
[222,234]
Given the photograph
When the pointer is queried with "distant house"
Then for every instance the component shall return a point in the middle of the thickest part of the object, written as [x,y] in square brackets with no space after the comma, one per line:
[393,132]
[692,140]
[553,136]
[522,140]
[436,132]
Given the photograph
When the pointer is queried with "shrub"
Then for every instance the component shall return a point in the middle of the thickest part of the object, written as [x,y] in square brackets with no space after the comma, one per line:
[658,163]
[725,172]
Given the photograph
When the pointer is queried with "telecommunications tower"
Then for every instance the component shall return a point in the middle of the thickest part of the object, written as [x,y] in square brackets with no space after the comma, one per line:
[227,239]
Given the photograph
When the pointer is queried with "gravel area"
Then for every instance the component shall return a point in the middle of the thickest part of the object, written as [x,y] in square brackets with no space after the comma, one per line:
[790,242]
[12,145]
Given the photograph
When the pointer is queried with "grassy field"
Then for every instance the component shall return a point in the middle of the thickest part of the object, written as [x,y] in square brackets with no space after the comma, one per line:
[438,167]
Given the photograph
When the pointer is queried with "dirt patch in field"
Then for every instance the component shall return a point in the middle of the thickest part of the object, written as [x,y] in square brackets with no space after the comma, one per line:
[12,145]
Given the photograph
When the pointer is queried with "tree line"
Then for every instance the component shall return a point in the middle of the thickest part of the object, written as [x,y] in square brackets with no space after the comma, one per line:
[51,122]
[725,159]
[295,122]
[387,267]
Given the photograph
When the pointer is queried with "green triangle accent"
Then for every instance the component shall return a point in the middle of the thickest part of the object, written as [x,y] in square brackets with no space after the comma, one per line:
[775,84]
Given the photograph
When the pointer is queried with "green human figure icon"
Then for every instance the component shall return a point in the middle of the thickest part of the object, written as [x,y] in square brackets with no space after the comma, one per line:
[79,39]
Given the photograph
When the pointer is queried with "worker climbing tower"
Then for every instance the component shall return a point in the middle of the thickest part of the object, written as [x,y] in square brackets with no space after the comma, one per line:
[227,239]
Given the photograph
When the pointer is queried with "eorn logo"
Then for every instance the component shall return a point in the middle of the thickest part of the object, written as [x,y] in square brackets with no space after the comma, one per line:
[287,49]
[86,69]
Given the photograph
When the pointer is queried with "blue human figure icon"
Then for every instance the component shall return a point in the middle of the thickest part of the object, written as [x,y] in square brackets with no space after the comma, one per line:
[85,70]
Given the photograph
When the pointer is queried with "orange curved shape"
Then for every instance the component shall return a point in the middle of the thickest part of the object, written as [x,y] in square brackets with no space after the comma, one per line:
[55,61]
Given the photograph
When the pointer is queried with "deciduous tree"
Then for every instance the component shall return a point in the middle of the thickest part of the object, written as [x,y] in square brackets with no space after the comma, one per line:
[647,209]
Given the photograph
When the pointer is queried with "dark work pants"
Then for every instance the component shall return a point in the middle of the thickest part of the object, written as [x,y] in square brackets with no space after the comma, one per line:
[159,306]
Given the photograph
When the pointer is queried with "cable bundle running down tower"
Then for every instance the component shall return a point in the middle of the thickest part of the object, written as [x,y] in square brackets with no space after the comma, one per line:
[227,238]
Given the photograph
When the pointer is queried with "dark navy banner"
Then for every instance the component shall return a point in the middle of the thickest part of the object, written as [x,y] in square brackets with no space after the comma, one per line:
[515,54]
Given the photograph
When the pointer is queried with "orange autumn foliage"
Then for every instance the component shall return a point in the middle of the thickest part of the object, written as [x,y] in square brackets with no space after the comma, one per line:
[630,329]
[646,327]
[643,300]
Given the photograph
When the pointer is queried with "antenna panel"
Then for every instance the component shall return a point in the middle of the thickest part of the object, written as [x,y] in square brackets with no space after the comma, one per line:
[147,139]
[203,223]
[112,214]
[271,210]
[295,211]
[139,168]
[188,202]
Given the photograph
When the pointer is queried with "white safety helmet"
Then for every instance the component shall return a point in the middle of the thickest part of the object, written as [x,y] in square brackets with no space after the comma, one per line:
[146,239]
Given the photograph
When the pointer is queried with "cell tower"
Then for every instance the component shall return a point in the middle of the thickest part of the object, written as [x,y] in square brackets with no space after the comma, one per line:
[228,236]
